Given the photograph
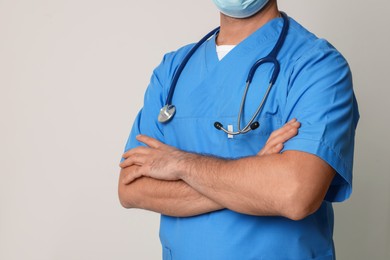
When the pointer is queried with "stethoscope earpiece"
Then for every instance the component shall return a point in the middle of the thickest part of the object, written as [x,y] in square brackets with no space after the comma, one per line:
[253,126]
[218,125]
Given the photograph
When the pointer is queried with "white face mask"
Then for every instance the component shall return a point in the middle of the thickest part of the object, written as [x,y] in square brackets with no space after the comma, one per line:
[240,8]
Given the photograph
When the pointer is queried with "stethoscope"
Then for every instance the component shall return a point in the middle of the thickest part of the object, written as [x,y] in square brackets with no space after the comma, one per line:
[168,111]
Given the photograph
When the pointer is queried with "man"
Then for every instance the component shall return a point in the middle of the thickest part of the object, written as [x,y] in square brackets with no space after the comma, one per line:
[220,198]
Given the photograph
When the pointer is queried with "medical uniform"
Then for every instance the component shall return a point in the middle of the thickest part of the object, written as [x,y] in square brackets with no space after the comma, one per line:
[314,86]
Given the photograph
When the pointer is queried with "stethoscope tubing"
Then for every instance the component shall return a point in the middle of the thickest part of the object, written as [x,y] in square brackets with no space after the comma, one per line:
[168,111]
[179,70]
[270,58]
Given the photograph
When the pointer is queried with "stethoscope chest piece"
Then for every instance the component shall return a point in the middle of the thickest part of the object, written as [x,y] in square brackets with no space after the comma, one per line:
[166,113]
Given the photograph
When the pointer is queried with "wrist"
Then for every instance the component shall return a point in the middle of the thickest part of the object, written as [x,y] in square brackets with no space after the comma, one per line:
[191,167]
[185,164]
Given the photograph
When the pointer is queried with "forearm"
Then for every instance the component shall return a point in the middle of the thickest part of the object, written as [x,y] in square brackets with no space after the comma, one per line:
[292,184]
[260,185]
[172,198]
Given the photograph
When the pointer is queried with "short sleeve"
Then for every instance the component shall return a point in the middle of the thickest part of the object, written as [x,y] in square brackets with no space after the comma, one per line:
[321,97]
[146,122]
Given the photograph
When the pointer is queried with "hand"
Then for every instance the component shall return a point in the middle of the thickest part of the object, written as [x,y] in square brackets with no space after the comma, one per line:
[157,160]
[278,137]
[160,161]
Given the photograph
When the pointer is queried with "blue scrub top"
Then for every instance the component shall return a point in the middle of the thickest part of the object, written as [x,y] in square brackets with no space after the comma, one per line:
[314,86]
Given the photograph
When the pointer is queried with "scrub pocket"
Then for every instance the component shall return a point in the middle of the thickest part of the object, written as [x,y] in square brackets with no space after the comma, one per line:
[198,134]
[167,253]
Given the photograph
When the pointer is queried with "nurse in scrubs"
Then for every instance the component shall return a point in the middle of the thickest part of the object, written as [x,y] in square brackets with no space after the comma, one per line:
[265,194]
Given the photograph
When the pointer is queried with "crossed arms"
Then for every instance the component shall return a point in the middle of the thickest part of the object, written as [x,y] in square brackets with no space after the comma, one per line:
[172,182]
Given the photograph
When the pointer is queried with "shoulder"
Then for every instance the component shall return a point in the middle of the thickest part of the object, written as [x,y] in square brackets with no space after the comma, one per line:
[173,59]
[308,58]
[305,46]
[170,62]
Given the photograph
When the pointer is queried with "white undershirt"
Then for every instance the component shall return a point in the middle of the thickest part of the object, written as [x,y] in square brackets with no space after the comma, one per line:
[222,50]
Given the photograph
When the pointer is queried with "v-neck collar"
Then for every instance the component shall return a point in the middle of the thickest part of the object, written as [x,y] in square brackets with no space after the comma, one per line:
[269,31]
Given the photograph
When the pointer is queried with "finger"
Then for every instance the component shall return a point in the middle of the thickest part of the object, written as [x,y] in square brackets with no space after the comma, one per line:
[292,121]
[275,143]
[135,159]
[287,134]
[283,130]
[130,178]
[271,150]
[149,141]
[137,150]
[277,148]
[131,174]
[286,127]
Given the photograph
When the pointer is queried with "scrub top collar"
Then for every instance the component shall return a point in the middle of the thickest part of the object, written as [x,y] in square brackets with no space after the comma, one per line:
[268,32]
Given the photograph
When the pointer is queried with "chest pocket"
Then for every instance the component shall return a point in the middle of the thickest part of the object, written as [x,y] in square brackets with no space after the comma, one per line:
[198,135]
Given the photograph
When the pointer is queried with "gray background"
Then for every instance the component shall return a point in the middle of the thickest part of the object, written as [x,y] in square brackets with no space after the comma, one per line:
[72,78]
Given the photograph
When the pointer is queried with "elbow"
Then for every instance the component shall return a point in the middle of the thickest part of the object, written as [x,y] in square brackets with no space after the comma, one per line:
[126,198]
[307,183]
[129,194]
[123,200]
[298,212]
[124,203]
[300,204]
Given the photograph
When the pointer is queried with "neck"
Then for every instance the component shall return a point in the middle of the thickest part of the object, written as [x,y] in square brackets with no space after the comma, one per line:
[234,30]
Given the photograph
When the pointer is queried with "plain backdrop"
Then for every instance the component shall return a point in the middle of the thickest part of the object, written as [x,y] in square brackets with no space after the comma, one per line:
[72,78]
